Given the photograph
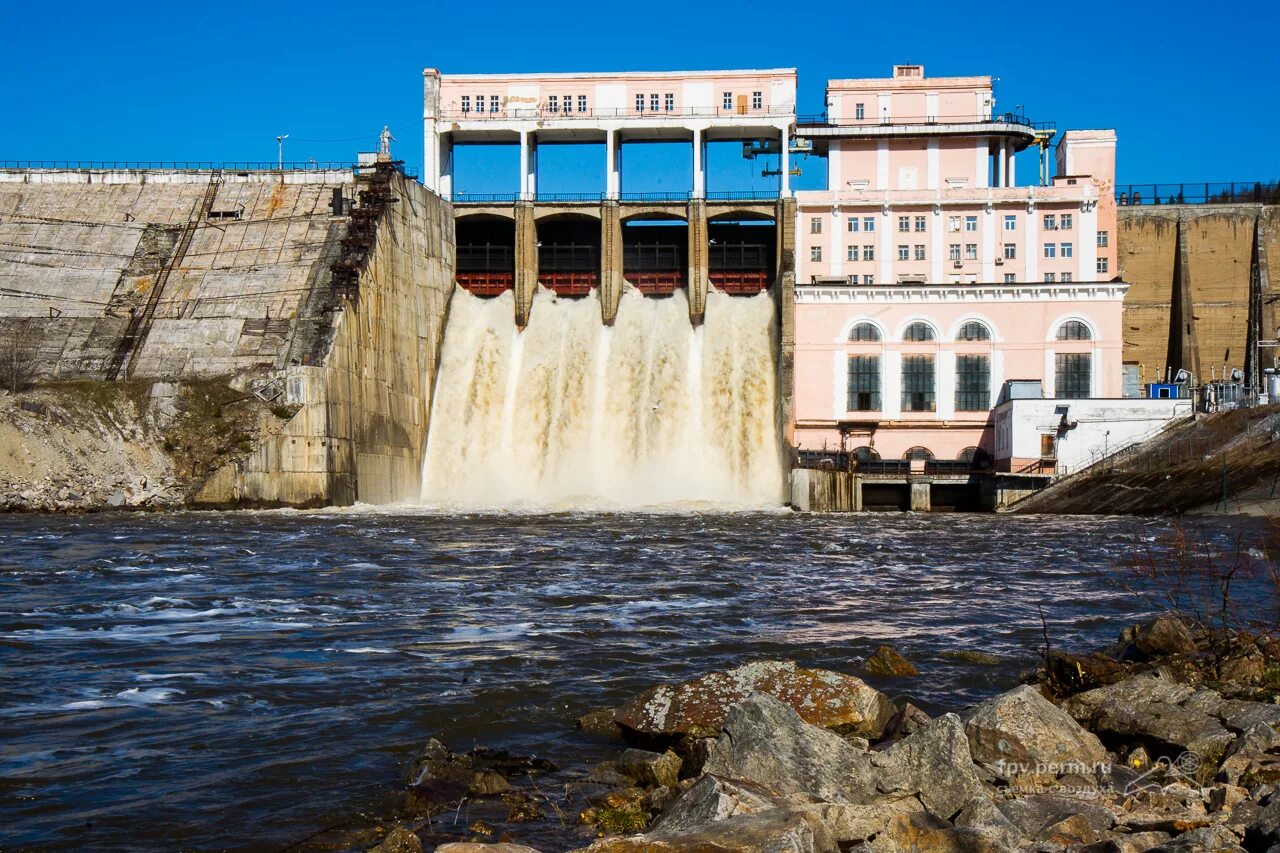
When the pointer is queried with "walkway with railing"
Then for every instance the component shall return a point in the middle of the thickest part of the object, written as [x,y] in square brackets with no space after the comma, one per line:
[1221,192]
[825,120]
[755,196]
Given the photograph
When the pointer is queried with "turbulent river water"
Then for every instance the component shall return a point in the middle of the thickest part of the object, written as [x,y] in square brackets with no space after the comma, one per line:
[239,681]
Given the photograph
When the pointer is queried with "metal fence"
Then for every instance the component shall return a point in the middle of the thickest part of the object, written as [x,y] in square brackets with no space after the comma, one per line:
[825,120]
[625,198]
[1221,192]
[174,165]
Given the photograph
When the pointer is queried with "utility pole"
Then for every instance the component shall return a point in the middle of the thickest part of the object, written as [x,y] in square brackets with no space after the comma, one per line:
[280,149]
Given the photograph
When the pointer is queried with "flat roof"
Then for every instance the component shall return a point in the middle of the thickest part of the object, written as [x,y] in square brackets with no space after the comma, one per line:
[737,72]
[908,82]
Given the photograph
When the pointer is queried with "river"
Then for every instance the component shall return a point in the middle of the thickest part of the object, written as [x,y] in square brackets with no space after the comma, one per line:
[240,680]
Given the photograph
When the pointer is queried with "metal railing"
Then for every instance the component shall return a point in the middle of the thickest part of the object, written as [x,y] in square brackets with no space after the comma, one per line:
[173,165]
[871,121]
[1219,192]
[546,113]
[625,198]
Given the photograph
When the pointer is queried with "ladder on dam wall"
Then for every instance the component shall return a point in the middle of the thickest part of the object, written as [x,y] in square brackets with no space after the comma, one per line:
[135,333]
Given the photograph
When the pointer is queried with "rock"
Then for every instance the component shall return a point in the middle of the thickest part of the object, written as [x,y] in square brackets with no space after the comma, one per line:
[115,500]
[437,777]
[650,768]
[606,773]
[1024,737]
[1215,839]
[1161,637]
[981,813]
[934,763]
[619,799]
[475,847]
[924,833]
[887,663]
[974,657]
[1035,813]
[1225,797]
[1070,674]
[399,840]
[1068,830]
[486,783]
[711,799]
[1264,830]
[525,813]
[854,824]
[1241,716]
[906,721]
[1248,753]
[780,830]
[699,707]
[599,722]
[767,742]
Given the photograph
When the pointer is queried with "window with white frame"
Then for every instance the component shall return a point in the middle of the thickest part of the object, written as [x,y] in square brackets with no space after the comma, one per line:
[669,102]
[1010,251]
[639,103]
[757,100]
[918,387]
[553,103]
[1066,276]
[904,223]
[815,253]
[1050,277]
[582,103]
[1065,221]
[953,252]
[953,223]
[973,382]
[1010,278]
[1102,239]
[1051,250]
[1050,222]
[1072,375]
[853,224]
[868,224]
[859,111]
[922,223]
[851,253]
[653,103]
[864,381]
[728,100]
[1010,222]
[970,251]
[815,224]
[1066,250]
[568,103]
[1102,265]
[971,223]
[493,103]
[868,253]
[868,279]
[974,330]
[904,253]
[466,103]
[919,251]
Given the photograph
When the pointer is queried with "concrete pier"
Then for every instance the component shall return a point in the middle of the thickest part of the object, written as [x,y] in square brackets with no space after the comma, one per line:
[611,280]
[697,280]
[526,283]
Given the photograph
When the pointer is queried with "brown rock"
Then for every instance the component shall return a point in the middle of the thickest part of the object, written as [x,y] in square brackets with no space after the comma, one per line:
[921,832]
[887,663]
[781,829]
[650,769]
[476,847]
[1163,636]
[699,707]
[399,840]
[599,722]
[906,721]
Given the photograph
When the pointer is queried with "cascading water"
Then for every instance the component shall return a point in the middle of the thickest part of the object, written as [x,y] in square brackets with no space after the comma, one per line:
[573,413]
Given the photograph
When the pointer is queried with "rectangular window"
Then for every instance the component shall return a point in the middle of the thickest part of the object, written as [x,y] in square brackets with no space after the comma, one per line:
[953,223]
[1050,277]
[973,383]
[864,383]
[1102,265]
[1051,250]
[921,223]
[970,251]
[815,253]
[757,100]
[971,223]
[1011,223]
[859,111]
[582,103]
[1010,278]
[653,102]
[553,103]
[1050,222]
[1072,375]
[953,252]
[1067,251]
[466,103]
[853,224]
[1064,221]
[493,103]
[639,103]
[917,383]
[669,102]
[919,252]
[568,103]
[1066,276]
[815,224]
[1102,239]
[868,279]
[868,224]
[904,223]
[868,253]
[904,253]
[1010,251]
[728,100]
[851,253]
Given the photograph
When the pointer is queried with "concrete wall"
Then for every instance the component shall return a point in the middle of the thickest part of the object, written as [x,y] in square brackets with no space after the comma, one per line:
[1189,270]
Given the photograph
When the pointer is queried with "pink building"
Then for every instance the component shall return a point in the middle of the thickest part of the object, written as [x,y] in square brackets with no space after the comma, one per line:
[926,278]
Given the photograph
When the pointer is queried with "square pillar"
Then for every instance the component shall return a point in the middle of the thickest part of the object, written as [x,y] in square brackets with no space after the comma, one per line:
[698,278]
[699,168]
[784,163]
[528,166]
[611,171]
[1000,160]
[610,260]
[445,184]
[526,262]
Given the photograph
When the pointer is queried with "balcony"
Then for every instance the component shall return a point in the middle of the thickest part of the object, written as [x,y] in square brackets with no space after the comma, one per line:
[822,126]
[544,113]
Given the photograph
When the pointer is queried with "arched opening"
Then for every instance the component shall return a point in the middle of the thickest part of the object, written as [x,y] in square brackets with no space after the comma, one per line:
[864,454]
[918,454]
[569,254]
[486,254]
[655,254]
[918,333]
[864,333]
[1074,330]
[974,330]
[975,458]
[741,253]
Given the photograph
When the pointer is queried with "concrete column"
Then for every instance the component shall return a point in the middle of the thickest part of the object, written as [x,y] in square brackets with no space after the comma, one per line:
[1262,312]
[857,493]
[699,168]
[920,497]
[610,260]
[1013,172]
[1184,346]
[446,166]
[1000,159]
[431,129]
[697,281]
[611,176]
[784,297]
[526,261]
[784,163]
[528,166]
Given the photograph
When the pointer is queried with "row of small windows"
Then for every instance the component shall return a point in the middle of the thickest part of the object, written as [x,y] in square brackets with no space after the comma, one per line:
[656,102]
[973,330]
[493,100]
[975,455]
[757,100]
[1073,381]
[908,224]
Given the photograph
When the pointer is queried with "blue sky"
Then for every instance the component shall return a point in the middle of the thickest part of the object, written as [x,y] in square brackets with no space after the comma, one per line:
[1191,99]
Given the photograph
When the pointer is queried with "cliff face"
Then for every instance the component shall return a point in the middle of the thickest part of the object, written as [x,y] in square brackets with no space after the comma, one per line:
[305,309]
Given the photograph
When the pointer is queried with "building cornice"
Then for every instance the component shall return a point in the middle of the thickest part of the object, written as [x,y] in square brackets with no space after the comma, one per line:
[815,294]
[625,75]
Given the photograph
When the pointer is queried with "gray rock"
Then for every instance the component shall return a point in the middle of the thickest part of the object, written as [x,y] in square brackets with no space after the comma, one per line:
[1022,736]
[934,763]
[1239,715]
[1157,685]
[1162,636]
[1259,740]
[711,799]
[1174,725]
[767,742]
[981,813]
[922,832]
[650,768]
[853,824]
[1208,839]
[1033,814]
[781,830]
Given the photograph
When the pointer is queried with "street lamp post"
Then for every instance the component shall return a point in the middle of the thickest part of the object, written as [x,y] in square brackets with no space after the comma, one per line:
[280,149]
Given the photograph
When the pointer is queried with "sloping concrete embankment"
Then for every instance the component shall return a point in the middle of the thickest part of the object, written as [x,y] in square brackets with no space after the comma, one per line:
[279,349]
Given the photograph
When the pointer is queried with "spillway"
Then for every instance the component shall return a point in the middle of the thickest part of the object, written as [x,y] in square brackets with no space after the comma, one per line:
[572,413]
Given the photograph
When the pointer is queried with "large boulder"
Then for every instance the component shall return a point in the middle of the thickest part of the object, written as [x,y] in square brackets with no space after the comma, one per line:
[477,847]
[652,769]
[767,742]
[925,833]
[780,830]
[933,764]
[886,662]
[698,708]
[712,798]
[1023,737]
[1161,637]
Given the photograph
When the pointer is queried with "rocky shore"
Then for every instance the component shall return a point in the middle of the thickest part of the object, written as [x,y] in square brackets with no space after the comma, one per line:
[1168,741]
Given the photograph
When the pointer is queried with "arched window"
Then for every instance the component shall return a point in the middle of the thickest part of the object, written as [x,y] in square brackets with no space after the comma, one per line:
[974,331]
[919,454]
[918,332]
[975,456]
[865,454]
[864,332]
[1074,330]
